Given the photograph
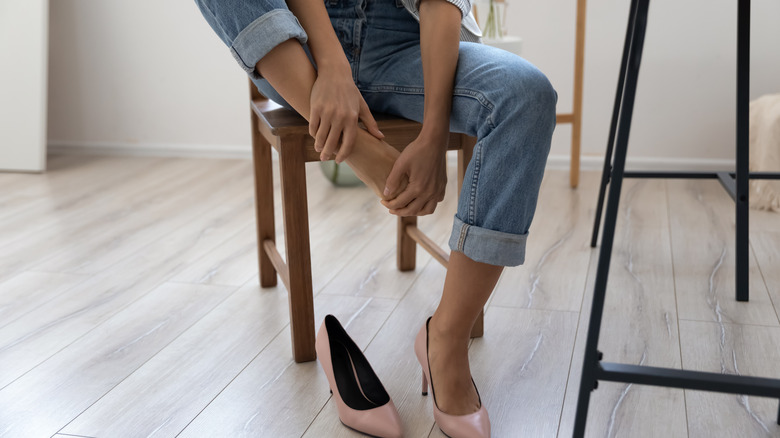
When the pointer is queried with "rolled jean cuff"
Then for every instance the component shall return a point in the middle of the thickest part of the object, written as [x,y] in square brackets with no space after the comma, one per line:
[488,246]
[262,35]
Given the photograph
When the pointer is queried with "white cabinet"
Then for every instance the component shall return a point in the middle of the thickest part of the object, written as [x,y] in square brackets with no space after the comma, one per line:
[24,29]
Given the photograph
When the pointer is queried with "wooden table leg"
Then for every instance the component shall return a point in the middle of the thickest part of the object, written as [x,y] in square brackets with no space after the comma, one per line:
[579,66]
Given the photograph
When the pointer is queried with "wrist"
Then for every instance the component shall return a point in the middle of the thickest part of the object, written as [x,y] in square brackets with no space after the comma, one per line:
[335,64]
[435,133]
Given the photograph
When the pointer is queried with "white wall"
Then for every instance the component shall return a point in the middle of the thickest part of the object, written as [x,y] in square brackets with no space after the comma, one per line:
[142,74]
[23,84]
[151,74]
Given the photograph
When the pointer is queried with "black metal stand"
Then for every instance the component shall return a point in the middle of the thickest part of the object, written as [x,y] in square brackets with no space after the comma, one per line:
[735,183]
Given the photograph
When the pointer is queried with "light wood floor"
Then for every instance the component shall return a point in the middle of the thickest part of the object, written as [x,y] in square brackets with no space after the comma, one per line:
[130,307]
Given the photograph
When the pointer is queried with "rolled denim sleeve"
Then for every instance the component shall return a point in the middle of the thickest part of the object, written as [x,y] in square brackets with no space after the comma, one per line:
[251,28]
[463,5]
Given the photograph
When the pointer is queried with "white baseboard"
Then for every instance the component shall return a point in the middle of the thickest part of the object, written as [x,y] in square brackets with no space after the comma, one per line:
[151,149]
[594,162]
[587,162]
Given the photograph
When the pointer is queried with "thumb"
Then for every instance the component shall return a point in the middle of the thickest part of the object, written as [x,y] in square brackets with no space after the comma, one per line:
[368,120]
[393,183]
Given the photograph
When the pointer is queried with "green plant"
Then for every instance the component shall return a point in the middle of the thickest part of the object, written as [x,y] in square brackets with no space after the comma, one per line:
[494,24]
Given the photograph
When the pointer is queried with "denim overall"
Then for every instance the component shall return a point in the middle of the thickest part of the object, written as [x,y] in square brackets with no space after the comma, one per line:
[499,98]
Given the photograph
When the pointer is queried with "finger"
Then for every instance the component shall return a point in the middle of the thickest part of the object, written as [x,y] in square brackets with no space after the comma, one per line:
[394,180]
[348,141]
[321,136]
[314,123]
[412,209]
[429,208]
[332,143]
[401,201]
[369,121]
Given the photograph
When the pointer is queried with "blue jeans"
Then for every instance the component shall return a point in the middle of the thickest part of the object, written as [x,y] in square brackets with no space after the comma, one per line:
[499,98]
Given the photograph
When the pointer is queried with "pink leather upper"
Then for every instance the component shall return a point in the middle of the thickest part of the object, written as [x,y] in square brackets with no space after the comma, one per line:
[475,425]
[382,421]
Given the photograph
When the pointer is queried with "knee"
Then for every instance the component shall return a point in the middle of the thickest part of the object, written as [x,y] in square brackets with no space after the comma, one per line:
[529,91]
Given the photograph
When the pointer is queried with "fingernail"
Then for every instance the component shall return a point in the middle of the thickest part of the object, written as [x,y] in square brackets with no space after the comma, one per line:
[386,192]
[381,133]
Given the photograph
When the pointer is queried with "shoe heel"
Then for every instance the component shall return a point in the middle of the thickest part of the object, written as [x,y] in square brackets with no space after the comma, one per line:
[424,384]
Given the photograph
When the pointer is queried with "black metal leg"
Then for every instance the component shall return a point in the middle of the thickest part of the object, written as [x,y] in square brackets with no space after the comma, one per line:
[743,153]
[778,413]
[591,361]
[613,125]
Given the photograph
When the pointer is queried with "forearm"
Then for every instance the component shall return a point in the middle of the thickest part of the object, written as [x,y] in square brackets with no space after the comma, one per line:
[323,42]
[439,44]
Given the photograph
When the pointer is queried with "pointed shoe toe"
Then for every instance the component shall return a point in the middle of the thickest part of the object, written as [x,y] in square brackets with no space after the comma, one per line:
[476,425]
[382,421]
[363,403]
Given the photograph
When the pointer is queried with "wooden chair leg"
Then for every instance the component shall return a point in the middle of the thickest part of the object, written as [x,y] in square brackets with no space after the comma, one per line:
[296,235]
[406,252]
[264,202]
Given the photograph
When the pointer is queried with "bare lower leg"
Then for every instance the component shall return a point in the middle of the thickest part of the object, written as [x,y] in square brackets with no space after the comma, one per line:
[467,287]
[289,71]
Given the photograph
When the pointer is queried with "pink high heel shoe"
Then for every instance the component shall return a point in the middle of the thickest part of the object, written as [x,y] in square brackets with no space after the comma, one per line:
[362,401]
[475,425]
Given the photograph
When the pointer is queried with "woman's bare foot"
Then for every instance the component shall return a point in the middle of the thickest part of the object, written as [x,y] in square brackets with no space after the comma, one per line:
[449,360]
[372,160]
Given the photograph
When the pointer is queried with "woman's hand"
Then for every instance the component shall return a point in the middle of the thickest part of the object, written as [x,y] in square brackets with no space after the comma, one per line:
[336,107]
[424,162]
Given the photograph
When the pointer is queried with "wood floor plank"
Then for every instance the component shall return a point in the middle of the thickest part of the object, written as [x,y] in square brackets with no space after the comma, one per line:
[160,398]
[62,435]
[232,263]
[639,325]
[702,219]
[28,341]
[276,397]
[731,349]
[48,397]
[146,221]
[558,249]
[29,290]
[765,242]
[72,185]
[17,184]
[521,366]
[57,234]
[60,206]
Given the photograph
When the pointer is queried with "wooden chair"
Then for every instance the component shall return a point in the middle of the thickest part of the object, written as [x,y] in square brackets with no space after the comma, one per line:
[288,133]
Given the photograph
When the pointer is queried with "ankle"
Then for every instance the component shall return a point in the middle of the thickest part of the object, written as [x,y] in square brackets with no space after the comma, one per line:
[450,333]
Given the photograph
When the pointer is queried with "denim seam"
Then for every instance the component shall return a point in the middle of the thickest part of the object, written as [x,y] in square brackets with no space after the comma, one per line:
[462,240]
[463,92]
[474,179]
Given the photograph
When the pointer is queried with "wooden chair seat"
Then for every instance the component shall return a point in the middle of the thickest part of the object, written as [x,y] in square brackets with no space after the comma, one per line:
[288,133]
